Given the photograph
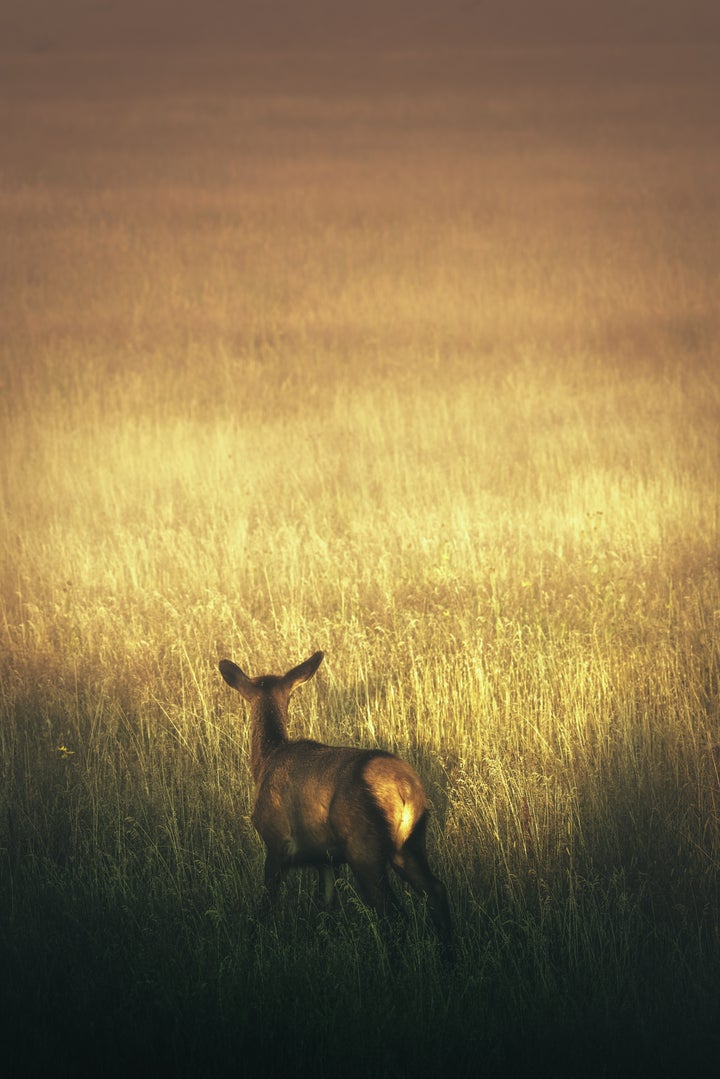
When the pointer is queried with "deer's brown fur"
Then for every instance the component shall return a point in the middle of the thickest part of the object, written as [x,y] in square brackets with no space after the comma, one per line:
[322,806]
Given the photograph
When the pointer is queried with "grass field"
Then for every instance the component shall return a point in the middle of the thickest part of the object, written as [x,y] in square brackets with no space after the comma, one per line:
[416,363]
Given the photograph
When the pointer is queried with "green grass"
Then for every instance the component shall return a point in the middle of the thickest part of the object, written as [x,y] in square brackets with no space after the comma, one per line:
[422,372]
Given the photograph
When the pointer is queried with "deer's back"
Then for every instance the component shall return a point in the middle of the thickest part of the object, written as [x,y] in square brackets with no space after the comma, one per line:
[313,798]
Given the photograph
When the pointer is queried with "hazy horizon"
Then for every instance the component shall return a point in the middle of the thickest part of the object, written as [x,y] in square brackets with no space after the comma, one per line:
[41,26]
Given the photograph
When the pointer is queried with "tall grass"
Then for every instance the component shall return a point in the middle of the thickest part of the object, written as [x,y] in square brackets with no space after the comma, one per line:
[425,377]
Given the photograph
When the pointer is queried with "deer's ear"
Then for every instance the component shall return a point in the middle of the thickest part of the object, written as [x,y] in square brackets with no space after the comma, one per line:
[237,679]
[303,671]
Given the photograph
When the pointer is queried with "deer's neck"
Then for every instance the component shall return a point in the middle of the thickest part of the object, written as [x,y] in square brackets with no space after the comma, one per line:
[268,732]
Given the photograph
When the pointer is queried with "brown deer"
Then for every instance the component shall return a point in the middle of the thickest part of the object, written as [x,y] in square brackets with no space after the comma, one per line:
[321,806]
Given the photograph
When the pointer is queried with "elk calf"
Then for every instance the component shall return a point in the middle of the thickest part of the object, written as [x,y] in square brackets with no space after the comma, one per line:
[318,805]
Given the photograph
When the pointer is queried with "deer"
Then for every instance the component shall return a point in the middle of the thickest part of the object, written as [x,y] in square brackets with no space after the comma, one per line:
[323,806]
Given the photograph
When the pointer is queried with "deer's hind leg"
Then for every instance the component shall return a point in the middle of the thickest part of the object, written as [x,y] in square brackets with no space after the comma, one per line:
[411,864]
[326,885]
[274,871]
[367,857]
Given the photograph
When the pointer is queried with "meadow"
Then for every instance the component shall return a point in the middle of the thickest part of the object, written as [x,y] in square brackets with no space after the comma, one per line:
[412,359]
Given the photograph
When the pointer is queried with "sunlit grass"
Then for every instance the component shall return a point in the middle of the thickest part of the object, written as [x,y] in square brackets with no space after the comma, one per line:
[433,395]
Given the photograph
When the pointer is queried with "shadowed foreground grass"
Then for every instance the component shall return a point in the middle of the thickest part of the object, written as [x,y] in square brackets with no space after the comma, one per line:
[581,862]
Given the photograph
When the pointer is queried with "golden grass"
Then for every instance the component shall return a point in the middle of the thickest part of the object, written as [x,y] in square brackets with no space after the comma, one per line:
[424,378]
